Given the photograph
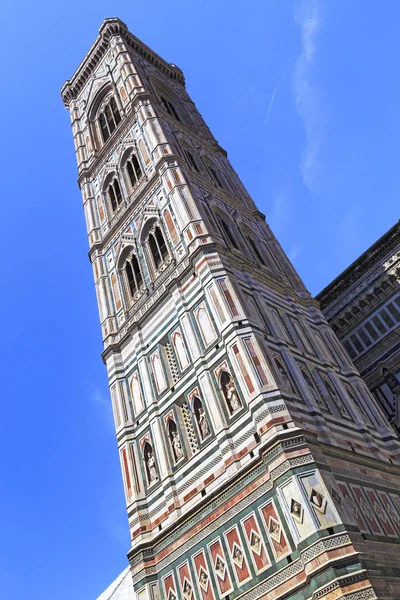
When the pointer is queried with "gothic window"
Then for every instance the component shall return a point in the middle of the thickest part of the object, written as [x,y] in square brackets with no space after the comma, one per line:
[133,170]
[215,177]
[109,118]
[201,418]
[230,392]
[227,231]
[255,250]
[133,275]
[175,441]
[170,108]
[114,194]
[190,160]
[157,247]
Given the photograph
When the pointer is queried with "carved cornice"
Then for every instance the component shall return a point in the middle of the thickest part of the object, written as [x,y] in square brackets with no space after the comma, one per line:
[110,28]
[371,258]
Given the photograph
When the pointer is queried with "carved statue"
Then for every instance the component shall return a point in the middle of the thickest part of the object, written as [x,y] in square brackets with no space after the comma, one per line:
[176,446]
[232,395]
[203,423]
[151,467]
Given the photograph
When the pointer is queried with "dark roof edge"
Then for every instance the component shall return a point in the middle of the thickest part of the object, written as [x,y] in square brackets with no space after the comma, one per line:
[362,264]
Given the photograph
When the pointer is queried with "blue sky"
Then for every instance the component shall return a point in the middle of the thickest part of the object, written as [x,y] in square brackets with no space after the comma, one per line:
[305,98]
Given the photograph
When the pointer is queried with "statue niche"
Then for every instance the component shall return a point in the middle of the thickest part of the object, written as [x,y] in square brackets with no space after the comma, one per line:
[230,392]
[201,418]
[150,463]
[175,441]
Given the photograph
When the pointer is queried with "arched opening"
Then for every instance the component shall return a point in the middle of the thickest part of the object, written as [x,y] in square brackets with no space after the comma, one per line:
[114,194]
[109,118]
[227,231]
[149,463]
[230,392]
[201,418]
[133,169]
[256,251]
[133,275]
[158,247]
[175,441]
[284,377]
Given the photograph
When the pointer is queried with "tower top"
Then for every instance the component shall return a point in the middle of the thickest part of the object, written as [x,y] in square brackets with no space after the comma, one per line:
[109,28]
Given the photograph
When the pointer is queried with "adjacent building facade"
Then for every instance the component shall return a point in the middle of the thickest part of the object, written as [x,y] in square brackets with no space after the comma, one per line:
[362,305]
[255,461]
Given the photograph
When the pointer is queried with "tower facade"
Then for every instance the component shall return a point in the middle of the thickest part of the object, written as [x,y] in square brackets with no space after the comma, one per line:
[255,461]
[362,305]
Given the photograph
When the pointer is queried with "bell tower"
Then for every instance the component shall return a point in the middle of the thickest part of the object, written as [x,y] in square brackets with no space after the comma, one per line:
[255,461]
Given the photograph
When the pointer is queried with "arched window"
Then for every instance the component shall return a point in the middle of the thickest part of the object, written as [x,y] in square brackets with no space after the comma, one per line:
[133,274]
[114,194]
[226,229]
[133,169]
[170,108]
[109,119]
[158,247]
[256,251]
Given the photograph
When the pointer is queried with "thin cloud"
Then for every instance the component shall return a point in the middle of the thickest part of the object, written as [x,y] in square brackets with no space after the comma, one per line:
[281,215]
[307,97]
[103,407]
[281,220]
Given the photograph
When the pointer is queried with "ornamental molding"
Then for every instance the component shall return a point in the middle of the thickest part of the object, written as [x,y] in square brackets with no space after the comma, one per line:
[109,29]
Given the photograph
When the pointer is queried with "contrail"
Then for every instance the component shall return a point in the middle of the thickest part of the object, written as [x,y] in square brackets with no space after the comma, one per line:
[271,102]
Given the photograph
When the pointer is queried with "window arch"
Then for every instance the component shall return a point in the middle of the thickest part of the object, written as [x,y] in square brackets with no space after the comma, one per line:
[170,108]
[109,118]
[133,274]
[226,230]
[158,247]
[133,170]
[114,194]
[255,249]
